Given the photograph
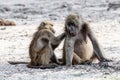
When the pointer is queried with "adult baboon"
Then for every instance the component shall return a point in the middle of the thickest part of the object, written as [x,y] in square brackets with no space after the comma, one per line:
[80,44]
[41,50]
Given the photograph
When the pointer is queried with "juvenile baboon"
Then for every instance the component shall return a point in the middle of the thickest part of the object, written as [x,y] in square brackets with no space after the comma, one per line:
[80,44]
[43,44]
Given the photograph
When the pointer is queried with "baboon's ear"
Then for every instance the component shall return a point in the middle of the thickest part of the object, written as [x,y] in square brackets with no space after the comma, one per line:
[84,31]
[42,24]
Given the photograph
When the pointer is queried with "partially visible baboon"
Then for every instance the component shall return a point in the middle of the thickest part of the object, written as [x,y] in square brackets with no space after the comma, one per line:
[9,23]
[42,46]
[1,22]
[80,44]
[6,23]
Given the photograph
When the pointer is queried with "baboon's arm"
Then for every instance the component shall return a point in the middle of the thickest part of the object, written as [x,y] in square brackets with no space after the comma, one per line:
[57,40]
[69,50]
[97,50]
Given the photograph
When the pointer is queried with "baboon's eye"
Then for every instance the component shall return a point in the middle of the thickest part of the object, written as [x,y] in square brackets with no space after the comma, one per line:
[71,24]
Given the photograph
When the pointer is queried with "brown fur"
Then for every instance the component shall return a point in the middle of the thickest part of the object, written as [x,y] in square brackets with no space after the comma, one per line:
[80,44]
[46,25]
[41,50]
[1,22]
[7,23]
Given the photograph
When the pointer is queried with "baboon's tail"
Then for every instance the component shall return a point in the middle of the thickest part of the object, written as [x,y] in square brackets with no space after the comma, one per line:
[14,63]
[48,66]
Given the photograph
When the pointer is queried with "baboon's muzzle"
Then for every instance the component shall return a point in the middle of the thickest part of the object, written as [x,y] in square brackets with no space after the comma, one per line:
[71,30]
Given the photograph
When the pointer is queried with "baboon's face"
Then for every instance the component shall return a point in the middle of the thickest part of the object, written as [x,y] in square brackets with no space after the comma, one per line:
[72,25]
[46,25]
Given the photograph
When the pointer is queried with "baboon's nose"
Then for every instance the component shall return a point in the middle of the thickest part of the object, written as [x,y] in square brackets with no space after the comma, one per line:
[72,34]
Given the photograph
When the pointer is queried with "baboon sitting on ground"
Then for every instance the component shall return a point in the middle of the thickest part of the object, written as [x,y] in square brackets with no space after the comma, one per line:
[80,44]
[43,44]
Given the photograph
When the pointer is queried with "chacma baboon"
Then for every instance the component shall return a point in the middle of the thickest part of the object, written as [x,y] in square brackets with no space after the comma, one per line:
[6,23]
[80,44]
[43,44]
[1,22]
[9,23]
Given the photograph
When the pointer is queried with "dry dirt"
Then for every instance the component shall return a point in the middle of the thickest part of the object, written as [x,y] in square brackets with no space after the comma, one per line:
[103,16]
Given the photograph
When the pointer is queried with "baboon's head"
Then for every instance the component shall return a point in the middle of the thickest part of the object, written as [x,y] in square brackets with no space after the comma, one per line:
[72,24]
[46,25]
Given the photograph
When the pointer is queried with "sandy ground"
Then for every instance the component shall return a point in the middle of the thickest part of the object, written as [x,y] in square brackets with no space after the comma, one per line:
[15,40]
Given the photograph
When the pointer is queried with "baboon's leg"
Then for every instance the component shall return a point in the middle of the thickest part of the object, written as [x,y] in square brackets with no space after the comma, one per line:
[43,59]
[95,59]
[76,59]
[44,56]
